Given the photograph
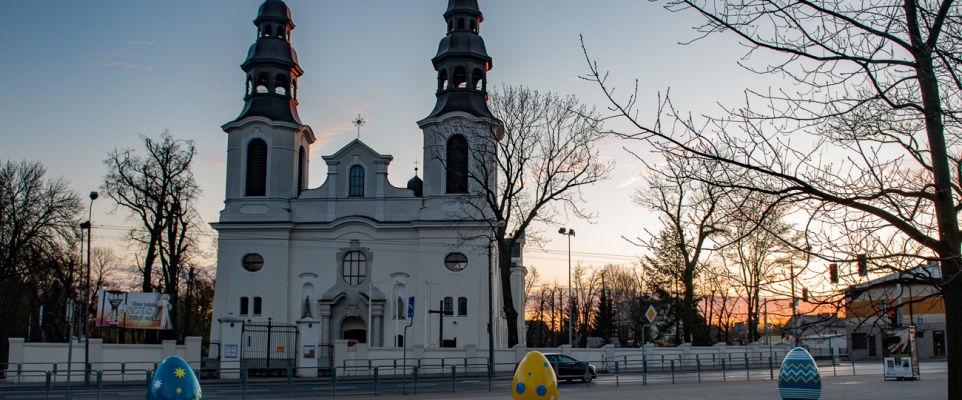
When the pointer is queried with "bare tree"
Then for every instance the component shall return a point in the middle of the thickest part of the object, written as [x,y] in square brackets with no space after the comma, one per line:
[756,249]
[877,90]
[546,155]
[38,234]
[159,190]
[689,209]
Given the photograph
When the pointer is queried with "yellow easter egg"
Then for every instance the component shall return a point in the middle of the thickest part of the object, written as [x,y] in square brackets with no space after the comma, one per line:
[534,379]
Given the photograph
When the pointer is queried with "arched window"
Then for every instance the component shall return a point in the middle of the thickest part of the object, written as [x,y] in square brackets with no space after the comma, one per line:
[443,80]
[301,169]
[460,23]
[355,267]
[457,168]
[262,82]
[460,78]
[280,32]
[280,84]
[462,306]
[258,302]
[477,79]
[474,26]
[356,184]
[247,91]
[267,31]
[256,184]
[448,306]
[450,26]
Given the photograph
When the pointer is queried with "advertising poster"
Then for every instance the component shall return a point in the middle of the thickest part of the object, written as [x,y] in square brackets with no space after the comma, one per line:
[135,310]
[900,353]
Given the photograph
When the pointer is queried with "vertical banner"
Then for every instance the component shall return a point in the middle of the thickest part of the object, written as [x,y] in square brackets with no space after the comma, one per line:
[135,310]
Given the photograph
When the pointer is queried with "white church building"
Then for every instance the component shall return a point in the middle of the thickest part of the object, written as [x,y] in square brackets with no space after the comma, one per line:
[299,268]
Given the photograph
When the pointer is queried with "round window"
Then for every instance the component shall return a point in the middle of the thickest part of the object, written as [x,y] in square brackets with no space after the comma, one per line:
[253,262]
[456,262]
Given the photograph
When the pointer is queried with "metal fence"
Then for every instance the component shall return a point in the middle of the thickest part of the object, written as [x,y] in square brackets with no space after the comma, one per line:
[377,377]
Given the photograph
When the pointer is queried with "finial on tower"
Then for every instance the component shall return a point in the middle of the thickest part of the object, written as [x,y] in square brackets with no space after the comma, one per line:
[358,122]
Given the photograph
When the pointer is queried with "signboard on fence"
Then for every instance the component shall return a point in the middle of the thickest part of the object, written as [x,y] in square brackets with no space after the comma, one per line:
[135,310]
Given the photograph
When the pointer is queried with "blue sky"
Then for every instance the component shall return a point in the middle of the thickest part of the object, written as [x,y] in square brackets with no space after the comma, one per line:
[82,78]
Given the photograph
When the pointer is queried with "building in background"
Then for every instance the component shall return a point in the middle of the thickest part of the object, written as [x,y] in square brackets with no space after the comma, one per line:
[300,267]
[899,299]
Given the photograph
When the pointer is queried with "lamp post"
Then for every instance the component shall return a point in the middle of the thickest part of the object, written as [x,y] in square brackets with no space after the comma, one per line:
[497,226]
[569,233]
[87,294]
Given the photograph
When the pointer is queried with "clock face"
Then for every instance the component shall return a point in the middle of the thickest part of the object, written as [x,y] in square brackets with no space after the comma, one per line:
[456,262]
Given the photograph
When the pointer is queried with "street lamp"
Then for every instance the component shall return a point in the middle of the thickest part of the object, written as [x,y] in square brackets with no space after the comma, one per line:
[569,233]
[87,295]
[497,226]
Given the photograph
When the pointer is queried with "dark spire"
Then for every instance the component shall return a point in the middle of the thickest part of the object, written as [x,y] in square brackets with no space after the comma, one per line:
[462,62]
[271,67]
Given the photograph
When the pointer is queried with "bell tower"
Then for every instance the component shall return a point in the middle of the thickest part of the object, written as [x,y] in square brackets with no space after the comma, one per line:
[268,146]
[459,134]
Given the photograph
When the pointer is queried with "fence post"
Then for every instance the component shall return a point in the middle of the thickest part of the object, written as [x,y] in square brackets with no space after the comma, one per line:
[724,377]
[644,370]
[748,368]
[454,377]
[334,380]
[376,380]
[290,381]
[771,368]
[698,367]
[100,381]
[490,373]
[617,373]
[417,376]
[672,371]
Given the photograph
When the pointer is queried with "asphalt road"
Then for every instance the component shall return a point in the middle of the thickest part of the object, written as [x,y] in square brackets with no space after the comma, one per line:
[866,384]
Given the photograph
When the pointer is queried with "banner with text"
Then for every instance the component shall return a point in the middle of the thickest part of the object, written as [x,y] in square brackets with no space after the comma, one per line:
[134,310]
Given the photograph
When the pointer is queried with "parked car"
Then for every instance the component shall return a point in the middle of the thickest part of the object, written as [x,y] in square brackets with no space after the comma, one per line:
[568,368]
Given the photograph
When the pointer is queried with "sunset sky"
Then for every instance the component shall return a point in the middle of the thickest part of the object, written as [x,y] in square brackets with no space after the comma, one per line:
[84,77]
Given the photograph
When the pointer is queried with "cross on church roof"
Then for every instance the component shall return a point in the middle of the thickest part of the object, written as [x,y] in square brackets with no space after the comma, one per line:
[358,122]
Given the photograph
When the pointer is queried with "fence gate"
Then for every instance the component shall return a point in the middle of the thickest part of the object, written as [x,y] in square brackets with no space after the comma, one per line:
[209,359]
[325,357]
[268,347]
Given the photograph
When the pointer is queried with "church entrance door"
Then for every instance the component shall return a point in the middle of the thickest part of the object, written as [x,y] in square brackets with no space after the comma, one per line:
[354,330]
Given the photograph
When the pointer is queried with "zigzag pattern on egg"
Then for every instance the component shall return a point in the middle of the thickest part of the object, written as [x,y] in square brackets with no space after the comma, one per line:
[798,378]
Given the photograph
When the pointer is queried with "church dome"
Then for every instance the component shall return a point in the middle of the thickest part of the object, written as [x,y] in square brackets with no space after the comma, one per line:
[469,6]
[416,185]
[272,50]
[462,44]
[274,9]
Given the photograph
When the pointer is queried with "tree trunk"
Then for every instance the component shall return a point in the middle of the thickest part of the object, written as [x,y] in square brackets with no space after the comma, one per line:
[504,267]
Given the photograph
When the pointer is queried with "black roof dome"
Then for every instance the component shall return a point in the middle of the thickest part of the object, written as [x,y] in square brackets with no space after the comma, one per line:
[416,185]
[275,9]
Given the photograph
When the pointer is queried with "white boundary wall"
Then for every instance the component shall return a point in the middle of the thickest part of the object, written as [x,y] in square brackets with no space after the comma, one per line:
[29,361]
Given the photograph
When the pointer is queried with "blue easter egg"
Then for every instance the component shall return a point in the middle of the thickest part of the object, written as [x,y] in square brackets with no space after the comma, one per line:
[174,380]
[798,378]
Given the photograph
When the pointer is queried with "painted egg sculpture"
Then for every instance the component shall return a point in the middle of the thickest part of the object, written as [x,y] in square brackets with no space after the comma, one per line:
[798,379]
[534,379]
[174,379]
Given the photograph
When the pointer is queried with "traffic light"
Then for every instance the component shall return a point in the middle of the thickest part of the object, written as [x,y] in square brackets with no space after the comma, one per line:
[862,265]
[805,295]
[893,317]
[833,273]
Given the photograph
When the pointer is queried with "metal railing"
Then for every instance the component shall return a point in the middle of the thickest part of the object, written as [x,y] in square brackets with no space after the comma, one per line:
[380,377]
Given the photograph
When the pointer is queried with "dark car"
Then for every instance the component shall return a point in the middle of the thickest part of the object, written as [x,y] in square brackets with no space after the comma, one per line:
[568,368]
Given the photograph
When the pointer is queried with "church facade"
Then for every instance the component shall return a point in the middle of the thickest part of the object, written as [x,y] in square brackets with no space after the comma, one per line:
[358,259]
